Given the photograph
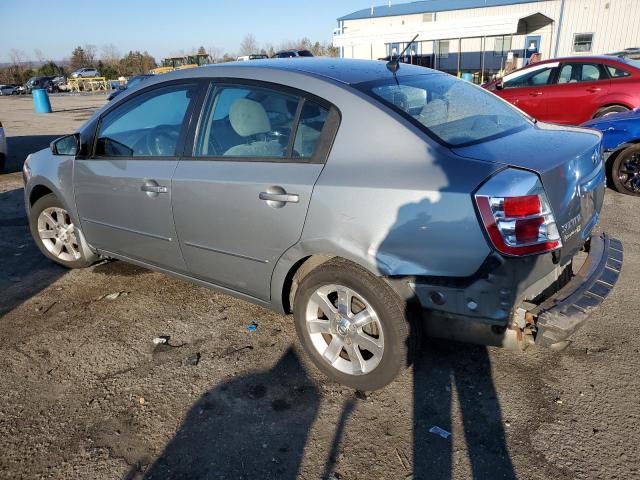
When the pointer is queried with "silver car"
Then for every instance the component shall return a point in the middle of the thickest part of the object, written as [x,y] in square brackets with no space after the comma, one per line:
[370,202]
[86,72]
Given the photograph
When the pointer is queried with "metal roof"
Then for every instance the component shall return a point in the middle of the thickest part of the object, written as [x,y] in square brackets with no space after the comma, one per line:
[429,6]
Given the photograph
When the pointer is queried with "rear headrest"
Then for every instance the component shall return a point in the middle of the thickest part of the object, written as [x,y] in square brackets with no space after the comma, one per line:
[248,118]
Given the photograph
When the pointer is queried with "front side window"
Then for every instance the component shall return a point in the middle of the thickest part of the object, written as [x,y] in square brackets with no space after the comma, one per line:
[582,42]
[455,112]
[148,125]
[246,121]
[534,77]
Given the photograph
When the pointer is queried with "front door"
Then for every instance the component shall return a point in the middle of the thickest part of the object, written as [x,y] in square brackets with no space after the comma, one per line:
[528,89]
[240,201]
[123,192]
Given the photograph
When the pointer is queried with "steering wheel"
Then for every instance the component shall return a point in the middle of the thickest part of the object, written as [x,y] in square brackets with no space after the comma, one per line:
[162,140]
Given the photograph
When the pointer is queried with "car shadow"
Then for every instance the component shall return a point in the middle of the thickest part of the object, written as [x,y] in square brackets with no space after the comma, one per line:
[20,146]
[253,426]
[24,271]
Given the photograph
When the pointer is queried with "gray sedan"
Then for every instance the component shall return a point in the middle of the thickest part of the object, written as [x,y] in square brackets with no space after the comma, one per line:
[370,202]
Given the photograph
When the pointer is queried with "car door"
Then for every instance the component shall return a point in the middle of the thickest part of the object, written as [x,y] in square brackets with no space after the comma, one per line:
[123,191]
[241,199]
[527,89]
[577,92]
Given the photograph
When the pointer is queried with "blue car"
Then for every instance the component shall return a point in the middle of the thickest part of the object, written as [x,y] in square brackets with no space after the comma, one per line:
[621,144]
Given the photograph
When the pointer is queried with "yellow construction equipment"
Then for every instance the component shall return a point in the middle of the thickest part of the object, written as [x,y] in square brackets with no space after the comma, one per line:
[180,63]
[87,84]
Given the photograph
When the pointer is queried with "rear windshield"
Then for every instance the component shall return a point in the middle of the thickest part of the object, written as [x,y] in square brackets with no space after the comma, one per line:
[452,111]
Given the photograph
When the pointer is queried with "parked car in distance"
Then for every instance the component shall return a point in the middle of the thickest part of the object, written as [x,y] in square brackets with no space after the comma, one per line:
[58,84]
[3,148]
[255,56]
[86,72]
[8,90]
[132,82]
[38,82]
[621,146]
[21,90]
[264,181]
[292,54]
[572,90]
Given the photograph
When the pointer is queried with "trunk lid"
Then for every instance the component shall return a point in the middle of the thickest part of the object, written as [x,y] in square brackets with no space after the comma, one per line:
[568,161]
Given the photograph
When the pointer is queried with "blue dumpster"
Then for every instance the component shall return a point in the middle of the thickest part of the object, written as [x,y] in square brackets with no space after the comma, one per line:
[41,101]
[467,76]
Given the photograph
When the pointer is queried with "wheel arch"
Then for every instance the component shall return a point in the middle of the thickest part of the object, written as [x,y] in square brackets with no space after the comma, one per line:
[608,104]
[37,192]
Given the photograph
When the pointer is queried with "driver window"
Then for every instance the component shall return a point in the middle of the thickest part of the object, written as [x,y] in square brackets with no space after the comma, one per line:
[148,125]
[246,121]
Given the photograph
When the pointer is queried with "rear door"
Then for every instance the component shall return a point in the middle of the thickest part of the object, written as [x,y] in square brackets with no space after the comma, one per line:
[241,199]
[123,191]
[528,89]
[577,92]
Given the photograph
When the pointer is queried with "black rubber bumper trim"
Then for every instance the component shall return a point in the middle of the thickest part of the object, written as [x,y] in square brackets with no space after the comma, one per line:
[566,311]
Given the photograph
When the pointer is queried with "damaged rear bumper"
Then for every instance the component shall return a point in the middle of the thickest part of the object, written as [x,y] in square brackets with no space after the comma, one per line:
[563,313]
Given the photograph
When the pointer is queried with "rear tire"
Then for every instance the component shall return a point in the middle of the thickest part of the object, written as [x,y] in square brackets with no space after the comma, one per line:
[625,171]
[55,234]
[610,110]
[353,325]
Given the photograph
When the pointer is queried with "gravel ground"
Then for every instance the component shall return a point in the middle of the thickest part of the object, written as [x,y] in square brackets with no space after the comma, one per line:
[86,393]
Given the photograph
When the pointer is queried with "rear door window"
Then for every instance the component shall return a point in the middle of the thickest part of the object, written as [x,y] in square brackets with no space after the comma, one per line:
[581,72]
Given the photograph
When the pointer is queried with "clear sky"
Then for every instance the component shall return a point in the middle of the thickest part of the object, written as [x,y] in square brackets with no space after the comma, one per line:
[163,27]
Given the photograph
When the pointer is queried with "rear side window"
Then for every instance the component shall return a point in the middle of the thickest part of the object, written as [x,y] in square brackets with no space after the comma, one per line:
[581,72]
[246,121]
[455,112]
[312,120]
[148,125]
[616,72]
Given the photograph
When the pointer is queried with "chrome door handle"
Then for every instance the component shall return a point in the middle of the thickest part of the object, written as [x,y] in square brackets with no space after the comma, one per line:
[593,89]
[535,94]
[154,188]
[280,197]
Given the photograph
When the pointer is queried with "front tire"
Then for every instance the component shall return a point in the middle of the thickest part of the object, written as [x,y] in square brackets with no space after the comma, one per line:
[55,234]
[625,171]
[353,325]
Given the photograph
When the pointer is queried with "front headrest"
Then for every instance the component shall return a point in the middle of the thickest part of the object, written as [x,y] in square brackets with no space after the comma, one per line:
[248,118]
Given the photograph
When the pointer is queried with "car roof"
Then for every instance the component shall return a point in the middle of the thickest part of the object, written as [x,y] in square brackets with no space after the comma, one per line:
[583,58]
[346,71]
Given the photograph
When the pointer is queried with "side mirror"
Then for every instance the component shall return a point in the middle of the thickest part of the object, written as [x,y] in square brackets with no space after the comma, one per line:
[67,145]
[500,85]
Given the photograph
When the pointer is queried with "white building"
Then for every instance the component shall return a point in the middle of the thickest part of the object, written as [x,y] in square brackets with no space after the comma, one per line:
[484,36]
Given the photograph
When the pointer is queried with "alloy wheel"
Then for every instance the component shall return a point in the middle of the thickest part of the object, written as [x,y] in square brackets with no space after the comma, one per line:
[344,329]
[629,173]
[57,233]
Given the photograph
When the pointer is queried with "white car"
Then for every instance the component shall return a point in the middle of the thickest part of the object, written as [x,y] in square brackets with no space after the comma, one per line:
[8,90]
[3,148]
[86,72]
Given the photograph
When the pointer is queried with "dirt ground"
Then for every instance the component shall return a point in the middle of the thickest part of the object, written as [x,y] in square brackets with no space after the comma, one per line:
[86,393]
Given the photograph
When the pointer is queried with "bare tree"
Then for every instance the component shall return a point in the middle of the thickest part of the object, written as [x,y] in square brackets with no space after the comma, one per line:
[215,53]
[90,54]
[248,45]
[110,54]
[18,57]
[39,56]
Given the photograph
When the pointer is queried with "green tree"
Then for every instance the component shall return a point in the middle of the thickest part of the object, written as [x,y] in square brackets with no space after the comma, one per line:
[78,58]
[136,63]
[50,69]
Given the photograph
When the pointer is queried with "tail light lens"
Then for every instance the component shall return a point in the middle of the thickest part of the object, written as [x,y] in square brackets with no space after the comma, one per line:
[517,215]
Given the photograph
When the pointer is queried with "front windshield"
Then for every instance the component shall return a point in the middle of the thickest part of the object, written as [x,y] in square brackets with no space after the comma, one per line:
[453,111]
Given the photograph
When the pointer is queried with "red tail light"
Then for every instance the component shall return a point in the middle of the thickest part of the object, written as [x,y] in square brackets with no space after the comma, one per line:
[517,215]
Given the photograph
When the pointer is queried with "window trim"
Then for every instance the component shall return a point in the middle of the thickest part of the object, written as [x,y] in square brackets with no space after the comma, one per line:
[325,141]
[573,45]
[182,138]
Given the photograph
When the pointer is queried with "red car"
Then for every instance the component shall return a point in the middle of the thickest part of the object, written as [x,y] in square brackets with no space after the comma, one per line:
[572,90]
